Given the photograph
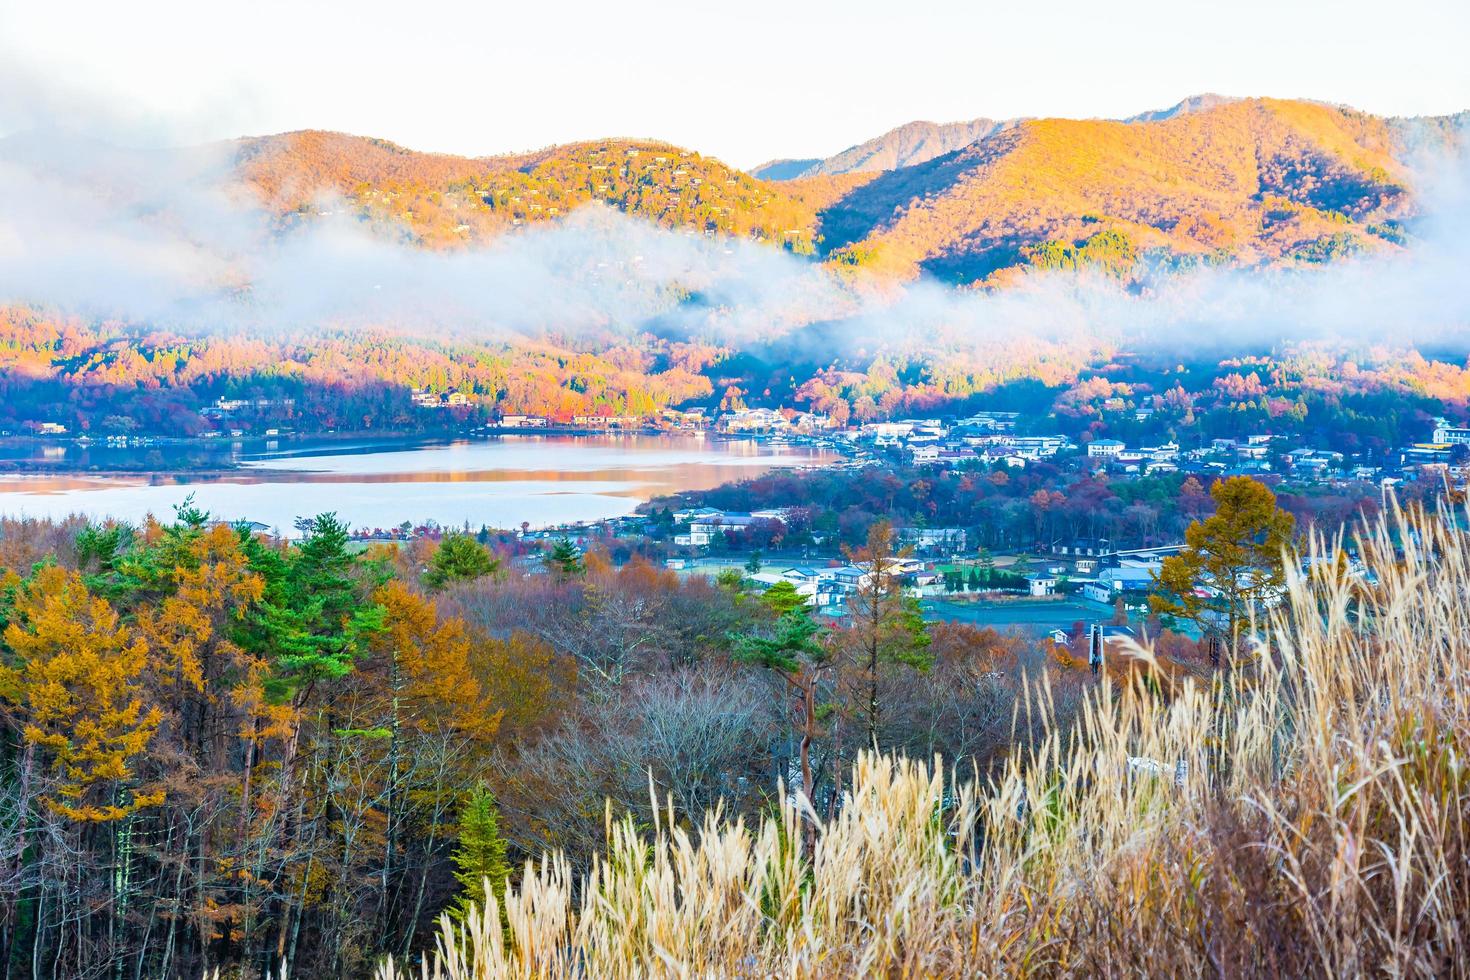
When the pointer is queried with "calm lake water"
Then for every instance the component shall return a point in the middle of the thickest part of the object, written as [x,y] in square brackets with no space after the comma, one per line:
[499,482]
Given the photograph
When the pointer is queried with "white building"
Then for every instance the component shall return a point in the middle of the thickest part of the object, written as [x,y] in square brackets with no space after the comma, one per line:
[754,420]
[1035,447]
[1129,577]
[926,454]
[1040,584]
[888,430]
[1106,448]
[1447,434]
[946,539]
[703,530]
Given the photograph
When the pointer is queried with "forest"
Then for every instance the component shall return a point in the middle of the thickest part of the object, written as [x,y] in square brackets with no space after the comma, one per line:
[119,379]
[223,749]
[448,202]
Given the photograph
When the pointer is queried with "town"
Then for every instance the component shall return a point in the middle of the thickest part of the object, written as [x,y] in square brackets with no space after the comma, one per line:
[1042,564]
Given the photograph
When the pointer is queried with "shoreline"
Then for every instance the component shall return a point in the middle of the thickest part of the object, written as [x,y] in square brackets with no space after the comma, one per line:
[554,478]
[222,468]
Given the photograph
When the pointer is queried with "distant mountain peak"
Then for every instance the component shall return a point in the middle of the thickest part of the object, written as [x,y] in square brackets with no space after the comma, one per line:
[1195,103]
[784,169]
[903,146]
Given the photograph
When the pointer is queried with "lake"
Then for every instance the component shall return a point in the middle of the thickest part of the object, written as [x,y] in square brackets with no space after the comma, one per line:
[499,481]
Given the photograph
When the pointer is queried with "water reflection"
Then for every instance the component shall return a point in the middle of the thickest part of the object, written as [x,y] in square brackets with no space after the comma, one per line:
[501,482]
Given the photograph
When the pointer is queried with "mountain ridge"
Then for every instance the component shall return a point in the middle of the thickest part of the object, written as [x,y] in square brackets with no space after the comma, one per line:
[920,141]
[1211,179]
[1248,181]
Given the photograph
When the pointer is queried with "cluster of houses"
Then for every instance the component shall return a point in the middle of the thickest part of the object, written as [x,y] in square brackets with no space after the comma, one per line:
[1100,571]
[987,438]
[990,438]
[1446,456]
[423,398]
[769,421]
[829,589]
[1103,575]
[1146,460]
[1092,566]
[693,419]
[224,408]
[706,523]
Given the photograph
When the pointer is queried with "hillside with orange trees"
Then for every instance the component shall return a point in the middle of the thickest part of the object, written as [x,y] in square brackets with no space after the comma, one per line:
[1248,182]
[1209,181]
[444,201]
[921,141]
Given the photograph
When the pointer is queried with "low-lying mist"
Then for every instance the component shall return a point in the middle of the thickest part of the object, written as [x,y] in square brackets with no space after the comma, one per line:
[171,239]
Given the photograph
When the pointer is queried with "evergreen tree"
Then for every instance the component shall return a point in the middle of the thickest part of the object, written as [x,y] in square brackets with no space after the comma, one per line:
[317,610]
[782,598]
[985,565]
[794,651]
[459,558]
[480,854]
[566,560]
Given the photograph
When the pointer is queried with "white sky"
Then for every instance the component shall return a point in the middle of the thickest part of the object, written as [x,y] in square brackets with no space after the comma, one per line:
[745,81]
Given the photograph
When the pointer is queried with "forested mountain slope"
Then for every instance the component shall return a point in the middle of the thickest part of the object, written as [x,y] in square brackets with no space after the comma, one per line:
[1252,181]
[1246,182]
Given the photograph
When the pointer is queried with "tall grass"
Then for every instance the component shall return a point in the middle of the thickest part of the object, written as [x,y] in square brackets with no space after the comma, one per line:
[1301,814]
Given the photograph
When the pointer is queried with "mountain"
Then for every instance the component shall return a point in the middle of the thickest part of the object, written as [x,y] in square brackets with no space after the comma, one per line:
[904,146]
[444,201]
[1210,180]
[1195,103]
[784,169]
[920,142]
[1247,182]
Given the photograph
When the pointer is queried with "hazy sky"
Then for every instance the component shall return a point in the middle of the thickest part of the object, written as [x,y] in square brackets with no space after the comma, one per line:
[744,81]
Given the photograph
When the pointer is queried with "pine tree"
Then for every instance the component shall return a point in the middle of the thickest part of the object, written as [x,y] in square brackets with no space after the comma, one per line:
[794,651]
[985,565]
[316,611]
[567,561]
[459,558]
[480,854]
